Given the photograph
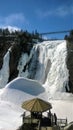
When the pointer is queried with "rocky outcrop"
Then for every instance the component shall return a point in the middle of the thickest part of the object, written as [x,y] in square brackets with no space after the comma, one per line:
[3,49]
[70,64]
[15,54]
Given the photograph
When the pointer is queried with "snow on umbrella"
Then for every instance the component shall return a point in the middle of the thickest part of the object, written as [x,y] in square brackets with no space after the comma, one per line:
[36,105]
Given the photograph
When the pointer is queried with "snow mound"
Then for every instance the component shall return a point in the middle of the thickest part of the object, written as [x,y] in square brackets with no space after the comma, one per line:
[21,89]
[26,85]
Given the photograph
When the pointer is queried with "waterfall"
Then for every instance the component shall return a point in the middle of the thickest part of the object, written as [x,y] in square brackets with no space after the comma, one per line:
[57,77]
[4,72]
[52,70]
[47,64]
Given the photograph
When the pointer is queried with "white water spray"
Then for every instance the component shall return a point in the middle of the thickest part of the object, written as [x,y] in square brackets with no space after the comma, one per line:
[50,61]
[4,72]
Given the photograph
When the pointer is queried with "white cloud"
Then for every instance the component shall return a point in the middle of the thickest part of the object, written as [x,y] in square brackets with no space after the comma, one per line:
[60,11]
[63,11]
[13,19]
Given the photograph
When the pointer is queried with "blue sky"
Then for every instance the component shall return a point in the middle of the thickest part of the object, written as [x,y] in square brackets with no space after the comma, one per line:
[40,15]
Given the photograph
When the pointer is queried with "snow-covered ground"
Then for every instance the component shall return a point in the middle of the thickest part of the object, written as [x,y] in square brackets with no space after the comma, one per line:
[11,98]
[9,116]
[14,93]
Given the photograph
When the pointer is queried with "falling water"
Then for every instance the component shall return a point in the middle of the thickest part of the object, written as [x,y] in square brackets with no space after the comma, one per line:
[4,72]
[47,64]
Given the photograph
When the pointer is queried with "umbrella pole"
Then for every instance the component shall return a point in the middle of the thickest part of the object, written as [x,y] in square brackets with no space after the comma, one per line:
[31,117]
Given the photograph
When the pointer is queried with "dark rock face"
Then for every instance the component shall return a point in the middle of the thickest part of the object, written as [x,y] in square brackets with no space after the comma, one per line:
[15,54]
[70,64]
[3,49]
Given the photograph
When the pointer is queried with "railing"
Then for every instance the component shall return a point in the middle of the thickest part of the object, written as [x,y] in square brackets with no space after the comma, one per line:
[44,121]
[30,120]
[62,122]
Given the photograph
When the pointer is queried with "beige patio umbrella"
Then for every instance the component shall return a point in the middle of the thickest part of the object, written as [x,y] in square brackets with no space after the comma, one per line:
[36,105]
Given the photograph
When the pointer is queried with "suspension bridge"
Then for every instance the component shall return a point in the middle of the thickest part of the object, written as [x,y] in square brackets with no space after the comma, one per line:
[56,32]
